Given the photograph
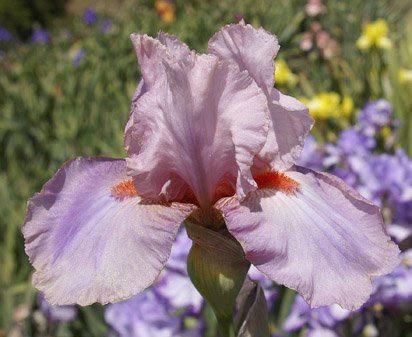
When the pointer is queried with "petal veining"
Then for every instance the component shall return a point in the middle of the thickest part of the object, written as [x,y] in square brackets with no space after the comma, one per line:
[151,53]
[92,239]
[325,240]
[252,49]
[205,122]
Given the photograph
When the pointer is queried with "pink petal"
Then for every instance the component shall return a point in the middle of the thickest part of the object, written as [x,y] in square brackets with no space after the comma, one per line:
[92,239]
[177,48]
[151,53]
[252,49]
[202,127]
[323,240]
[289,125]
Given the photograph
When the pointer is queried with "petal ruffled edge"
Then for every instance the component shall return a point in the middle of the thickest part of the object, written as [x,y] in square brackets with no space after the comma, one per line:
[252,49]
[151,52]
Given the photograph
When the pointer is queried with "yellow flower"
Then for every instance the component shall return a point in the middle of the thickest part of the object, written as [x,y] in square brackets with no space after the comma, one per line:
[347,106]
[283,74]
[405,75]
[375,34]
[166,10]
[329,105]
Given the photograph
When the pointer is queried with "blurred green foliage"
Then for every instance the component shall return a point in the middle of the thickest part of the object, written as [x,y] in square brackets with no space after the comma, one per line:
[71,98]
[397,91]
[20,16]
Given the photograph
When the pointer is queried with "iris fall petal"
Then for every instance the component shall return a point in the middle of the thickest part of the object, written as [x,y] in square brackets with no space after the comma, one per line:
[323,239]
[91,243]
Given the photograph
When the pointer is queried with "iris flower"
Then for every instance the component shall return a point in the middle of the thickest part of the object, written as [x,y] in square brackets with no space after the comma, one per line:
[208,133]
[329,105]
[375,34]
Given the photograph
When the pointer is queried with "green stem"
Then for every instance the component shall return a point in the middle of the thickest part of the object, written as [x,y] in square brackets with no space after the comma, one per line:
[226,327]
[287,301]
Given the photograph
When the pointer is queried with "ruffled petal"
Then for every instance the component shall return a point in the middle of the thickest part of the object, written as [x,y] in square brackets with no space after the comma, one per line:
[289,125]
[177,48]
[91,238]
[129,136]
[203,126]
[151,53]
[252,49]
[322,239]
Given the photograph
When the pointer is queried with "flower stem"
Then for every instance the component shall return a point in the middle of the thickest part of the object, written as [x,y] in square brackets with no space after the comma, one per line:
[226,327]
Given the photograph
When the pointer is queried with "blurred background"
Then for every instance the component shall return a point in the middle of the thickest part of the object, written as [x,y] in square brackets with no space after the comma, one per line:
[68,72]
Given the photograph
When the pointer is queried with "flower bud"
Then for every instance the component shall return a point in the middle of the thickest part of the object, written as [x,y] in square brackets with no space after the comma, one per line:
[216,264]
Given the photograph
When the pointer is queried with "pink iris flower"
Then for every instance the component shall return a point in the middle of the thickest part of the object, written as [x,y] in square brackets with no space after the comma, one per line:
[209,132]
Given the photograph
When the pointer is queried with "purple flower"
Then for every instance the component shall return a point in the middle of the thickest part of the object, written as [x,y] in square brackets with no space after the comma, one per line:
[386,179]
[180,292]
[106,25]
[324,317]
[56,313]
[351,142]
[101,230]
[400,232]
[312,155]
[175,285]
[376,114]
[395,289]
[40,36]
[321,332]
[349,160]
[144,315]
[5,35]
[89,16]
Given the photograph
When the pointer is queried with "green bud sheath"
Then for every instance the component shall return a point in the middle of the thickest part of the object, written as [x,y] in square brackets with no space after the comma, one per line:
[216,266]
